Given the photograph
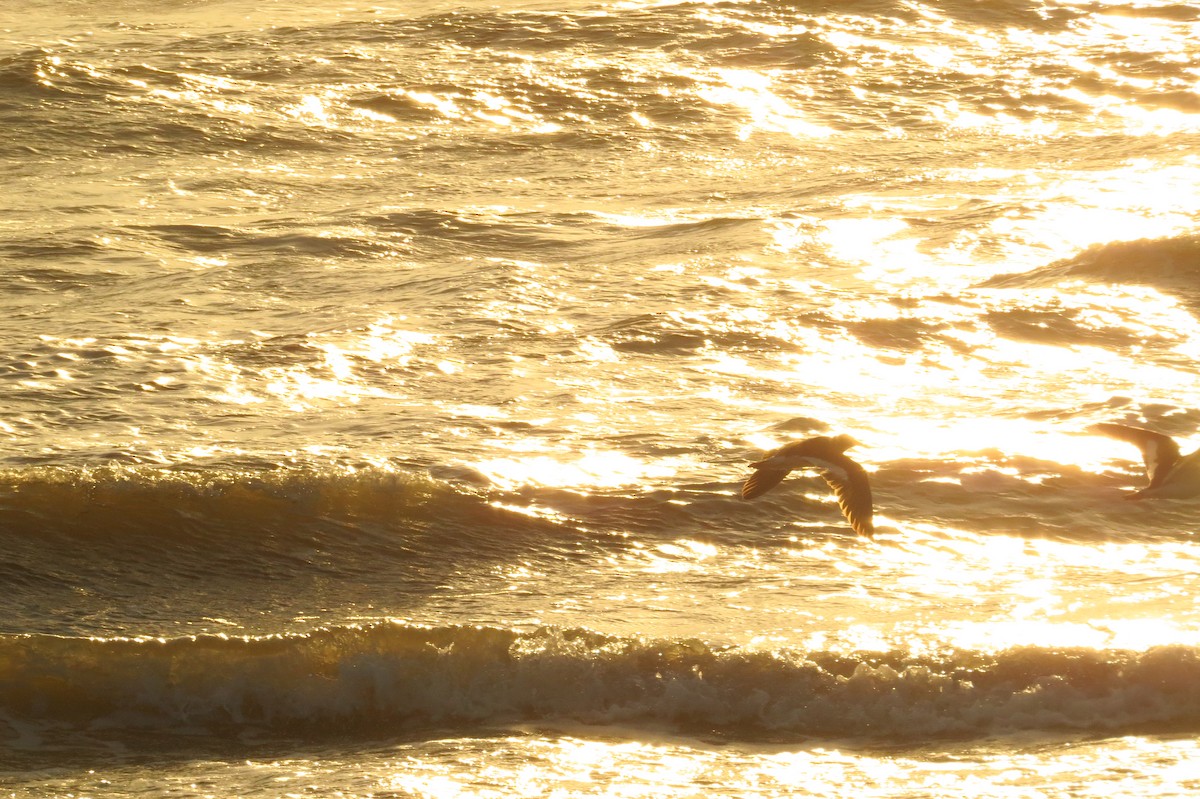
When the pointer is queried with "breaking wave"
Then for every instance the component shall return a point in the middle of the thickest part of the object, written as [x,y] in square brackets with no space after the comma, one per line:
[392,678]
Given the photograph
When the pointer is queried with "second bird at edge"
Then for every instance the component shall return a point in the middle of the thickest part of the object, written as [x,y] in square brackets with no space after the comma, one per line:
[1172,475]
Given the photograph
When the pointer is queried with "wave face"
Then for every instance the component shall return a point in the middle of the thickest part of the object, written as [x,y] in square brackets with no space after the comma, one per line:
[130,552]
[390,678]
[121,551]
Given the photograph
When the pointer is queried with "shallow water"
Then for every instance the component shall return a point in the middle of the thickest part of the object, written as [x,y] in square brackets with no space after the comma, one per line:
[379,381]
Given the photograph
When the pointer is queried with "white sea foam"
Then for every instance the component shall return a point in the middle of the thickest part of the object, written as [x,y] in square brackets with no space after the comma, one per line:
[398,677]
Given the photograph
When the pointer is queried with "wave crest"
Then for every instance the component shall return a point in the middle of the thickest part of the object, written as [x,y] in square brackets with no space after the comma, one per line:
[105,500]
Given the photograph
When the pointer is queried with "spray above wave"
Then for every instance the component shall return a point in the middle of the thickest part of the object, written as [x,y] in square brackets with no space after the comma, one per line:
[391,678]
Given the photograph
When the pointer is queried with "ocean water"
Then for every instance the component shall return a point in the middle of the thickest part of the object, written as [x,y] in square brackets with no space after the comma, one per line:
[378,380]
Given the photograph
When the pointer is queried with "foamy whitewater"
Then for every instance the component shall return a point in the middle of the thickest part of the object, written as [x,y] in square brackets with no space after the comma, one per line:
[378,381]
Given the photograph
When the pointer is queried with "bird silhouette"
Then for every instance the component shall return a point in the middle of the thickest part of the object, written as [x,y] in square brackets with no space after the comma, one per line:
[827,455]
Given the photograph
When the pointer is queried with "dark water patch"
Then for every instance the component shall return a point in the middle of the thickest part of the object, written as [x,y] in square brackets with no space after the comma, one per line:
[278,237]
[1177,12]
[1086,410]
[53,280]
[802,424]
[1053,323]
[653,334]
[66,248]
[1170,264]
[21,76]
[400,106]
[670,28]
[900,334]
[906,333]
[526,235]
[505,234]
[51,75]
[1013,13]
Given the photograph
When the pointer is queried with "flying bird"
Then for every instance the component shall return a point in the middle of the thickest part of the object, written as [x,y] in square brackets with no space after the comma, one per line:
[1172,476]
[826,454]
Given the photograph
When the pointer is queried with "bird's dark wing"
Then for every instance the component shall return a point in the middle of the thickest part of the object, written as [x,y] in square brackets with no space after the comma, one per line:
[1159,452]
[762,481]
[853,491]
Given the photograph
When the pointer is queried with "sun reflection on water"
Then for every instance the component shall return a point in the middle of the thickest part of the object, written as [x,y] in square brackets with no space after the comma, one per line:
[611,763]
[752,92]
[1017,592]
[589,470]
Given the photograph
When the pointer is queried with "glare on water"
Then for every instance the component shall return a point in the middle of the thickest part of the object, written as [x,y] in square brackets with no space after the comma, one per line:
[402,366]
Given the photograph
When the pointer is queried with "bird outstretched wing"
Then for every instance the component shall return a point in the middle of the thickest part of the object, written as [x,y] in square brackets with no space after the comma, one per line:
[847,479]
[853,491]
[762,481]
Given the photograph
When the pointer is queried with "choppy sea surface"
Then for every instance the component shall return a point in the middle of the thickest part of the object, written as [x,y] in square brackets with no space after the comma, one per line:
[377,380]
